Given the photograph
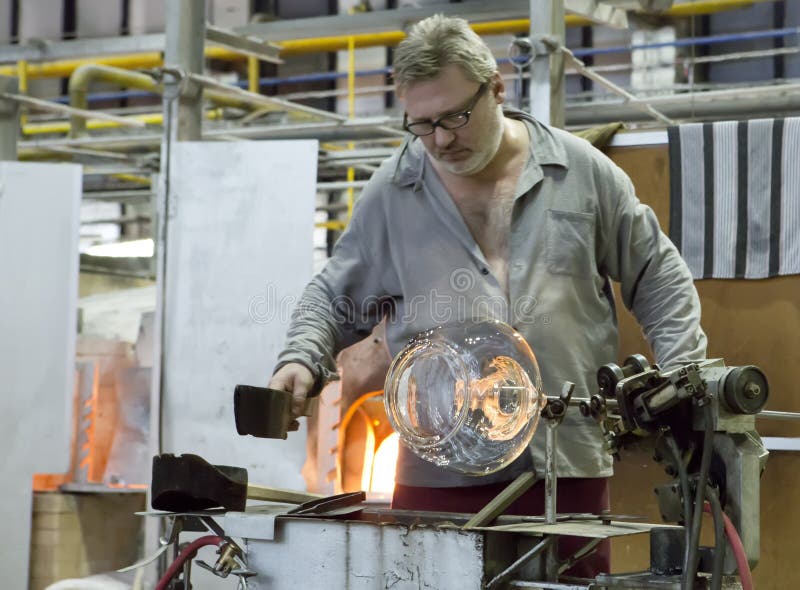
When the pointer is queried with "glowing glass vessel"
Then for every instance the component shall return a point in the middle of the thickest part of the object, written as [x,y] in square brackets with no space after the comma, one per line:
[466,396]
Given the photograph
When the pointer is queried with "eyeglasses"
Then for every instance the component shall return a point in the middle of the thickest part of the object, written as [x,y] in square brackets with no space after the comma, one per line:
[449,122]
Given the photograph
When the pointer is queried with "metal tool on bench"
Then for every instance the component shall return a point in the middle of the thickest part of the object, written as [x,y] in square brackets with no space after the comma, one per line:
[186,483]
[267,413]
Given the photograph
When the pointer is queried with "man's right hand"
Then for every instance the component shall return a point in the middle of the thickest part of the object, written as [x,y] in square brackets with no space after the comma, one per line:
[298,380]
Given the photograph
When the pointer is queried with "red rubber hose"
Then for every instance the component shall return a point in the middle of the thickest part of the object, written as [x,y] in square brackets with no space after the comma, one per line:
[188,552]
[738,550]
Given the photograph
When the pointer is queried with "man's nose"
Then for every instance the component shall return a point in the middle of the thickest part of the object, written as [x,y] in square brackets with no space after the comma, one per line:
[443,137]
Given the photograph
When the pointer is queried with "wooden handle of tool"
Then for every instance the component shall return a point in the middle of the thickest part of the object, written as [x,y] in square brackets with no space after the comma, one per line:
[310,406]
[255,492]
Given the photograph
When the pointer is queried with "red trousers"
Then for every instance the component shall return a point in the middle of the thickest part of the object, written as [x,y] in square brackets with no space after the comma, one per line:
[574,495]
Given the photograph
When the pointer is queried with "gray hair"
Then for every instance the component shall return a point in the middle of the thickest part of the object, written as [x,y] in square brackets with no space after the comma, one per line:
[437,42]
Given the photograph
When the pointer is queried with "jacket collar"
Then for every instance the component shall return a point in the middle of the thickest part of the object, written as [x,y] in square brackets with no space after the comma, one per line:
[545,147]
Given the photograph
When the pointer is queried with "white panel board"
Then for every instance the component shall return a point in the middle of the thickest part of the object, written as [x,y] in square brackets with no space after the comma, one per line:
[229,13]
[239,252]
[146,16]
[98,18]
[39,218]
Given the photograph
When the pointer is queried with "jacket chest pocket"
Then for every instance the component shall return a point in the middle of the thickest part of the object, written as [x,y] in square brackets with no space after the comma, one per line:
[570,243]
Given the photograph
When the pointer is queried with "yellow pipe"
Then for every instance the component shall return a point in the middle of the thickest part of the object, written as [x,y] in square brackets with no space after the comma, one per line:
[351,77]
[92,124]
[388,38]
[64,126]
[63,68]
[351,113]
[700,7]
[82,78]
[133,178]
[131,61]
[334,225]
[252,74]
[22,74]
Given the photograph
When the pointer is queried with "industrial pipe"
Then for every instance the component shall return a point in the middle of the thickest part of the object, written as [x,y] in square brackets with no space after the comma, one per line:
[223,95]
[578,52]
[187,554]
[81,79]
[63,68]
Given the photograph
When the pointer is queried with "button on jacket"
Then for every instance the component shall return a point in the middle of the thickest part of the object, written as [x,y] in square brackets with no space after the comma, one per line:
[576,225]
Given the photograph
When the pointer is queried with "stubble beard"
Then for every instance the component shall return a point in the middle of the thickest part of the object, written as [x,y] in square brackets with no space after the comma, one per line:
[479,159]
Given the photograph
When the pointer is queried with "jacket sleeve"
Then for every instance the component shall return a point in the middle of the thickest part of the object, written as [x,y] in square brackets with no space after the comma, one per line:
[655,281]
[340,305]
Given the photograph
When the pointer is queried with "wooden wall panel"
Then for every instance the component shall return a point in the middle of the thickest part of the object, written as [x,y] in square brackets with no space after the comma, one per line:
[747,322]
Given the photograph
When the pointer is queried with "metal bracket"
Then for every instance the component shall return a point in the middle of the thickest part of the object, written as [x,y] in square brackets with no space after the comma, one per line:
[523,50]
[244,44]
[556,407]
[603,13]
[173,81]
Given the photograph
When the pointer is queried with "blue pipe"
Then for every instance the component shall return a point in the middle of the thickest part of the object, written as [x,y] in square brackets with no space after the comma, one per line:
[709,40]
[578,52]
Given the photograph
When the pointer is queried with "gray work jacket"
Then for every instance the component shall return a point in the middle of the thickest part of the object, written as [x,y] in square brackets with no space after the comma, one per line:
[576,225]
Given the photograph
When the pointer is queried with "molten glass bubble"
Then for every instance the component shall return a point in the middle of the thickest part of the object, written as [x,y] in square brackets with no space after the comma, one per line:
[466,396]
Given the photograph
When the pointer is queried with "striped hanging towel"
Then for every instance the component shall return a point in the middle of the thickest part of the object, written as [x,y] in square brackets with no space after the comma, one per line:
[735,197]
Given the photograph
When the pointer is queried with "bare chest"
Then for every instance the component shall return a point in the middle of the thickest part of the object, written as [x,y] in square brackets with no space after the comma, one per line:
[486,211]
[487,214]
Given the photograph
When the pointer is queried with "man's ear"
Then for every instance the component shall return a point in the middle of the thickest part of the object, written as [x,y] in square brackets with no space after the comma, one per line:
[498,87]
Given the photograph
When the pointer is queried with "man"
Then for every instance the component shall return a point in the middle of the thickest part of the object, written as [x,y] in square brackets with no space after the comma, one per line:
[481,205]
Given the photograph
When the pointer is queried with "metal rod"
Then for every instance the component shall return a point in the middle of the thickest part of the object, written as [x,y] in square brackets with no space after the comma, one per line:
[87,152]
[547,69]
[602,80]
[90,170]
[334,208]
[55,107]
[184,55]
[510,570]
[343,185]
[253,48]
[775,415]
[367,169]
[587,549]
[550,499]
[253,98]
[120,195]
[550,477]
[118,220]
